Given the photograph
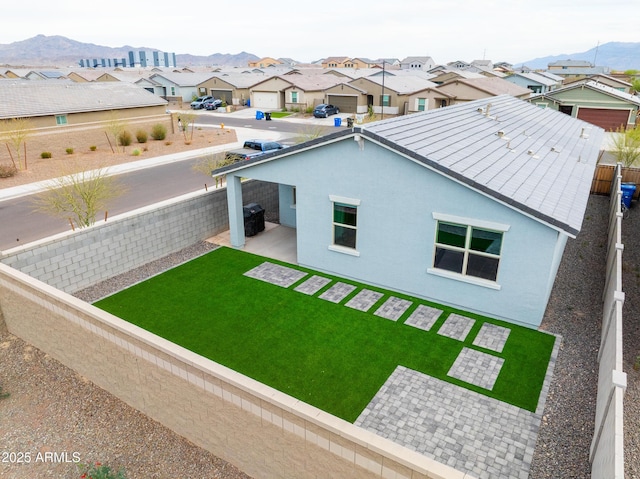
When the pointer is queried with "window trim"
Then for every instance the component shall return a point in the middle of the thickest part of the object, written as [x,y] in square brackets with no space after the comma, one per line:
[61,120]
[349,202]
[470,223]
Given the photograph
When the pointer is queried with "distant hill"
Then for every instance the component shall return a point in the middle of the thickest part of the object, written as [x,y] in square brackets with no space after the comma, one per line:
[615,55]
[56,50]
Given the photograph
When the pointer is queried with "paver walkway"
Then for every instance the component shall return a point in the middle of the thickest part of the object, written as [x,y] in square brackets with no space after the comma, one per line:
[471,432]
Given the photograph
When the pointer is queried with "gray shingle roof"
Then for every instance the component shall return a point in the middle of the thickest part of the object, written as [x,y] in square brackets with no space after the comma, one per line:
[24,98]
[542,164]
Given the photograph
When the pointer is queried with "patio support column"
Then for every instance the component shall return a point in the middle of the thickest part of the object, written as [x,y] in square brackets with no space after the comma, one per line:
[236,216]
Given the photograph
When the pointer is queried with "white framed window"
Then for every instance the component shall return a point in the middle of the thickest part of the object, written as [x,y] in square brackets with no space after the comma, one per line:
[61,119]
[344,225]
[466,248]
[294,97]
[422,104]
[385,100]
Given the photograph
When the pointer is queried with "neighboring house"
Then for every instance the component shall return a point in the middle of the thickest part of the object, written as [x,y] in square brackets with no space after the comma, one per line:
[446,75]
[458,65]
[73,104]
[391,94]
[88,75]
[338,62]
[348,98]
[269,94]
[533,81]
[594,102]
[613,82]
[46,75]
[307,91]
[454,205]
[183,85]
[469,89]
[417,63]
[570,68]
[264,62]
[234,88]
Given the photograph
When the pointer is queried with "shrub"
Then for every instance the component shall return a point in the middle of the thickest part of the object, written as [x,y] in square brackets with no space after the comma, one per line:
[69,151]
[168,143]
[45,154]
[125,138]
[4,395]
[141,136]
[7,171]
[93,147]
[159,131]
[136,152]
[101,471]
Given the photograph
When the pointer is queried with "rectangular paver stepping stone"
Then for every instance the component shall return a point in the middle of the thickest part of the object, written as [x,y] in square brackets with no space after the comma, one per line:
[312,285]
[456,327]
[393,308]
[424,317]
[492,337]
[275,274]
[364,300]
[476,367]
[337,292]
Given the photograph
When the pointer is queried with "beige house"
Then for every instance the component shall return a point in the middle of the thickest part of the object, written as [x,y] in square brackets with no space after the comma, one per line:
[307,91]
[469,89]
[338,62]
[88,104]
[347,97]
[269,94]
[264,63]
[392,94]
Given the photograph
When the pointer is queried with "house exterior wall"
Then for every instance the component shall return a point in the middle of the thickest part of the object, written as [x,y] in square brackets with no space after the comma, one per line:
[526,83]
[463,92]
[287,199]
[396,229]
[49,121]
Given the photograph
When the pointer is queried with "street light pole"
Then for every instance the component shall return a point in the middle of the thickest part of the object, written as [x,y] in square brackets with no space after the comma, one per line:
[382,98]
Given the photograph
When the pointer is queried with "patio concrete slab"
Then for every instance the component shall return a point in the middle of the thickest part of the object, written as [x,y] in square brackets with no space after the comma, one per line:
[364,300]
[473,433]
[337,292]
[393,308]
[424,317]
[456,327]
[476,367]
[492,337]
[276,274]
[312,285]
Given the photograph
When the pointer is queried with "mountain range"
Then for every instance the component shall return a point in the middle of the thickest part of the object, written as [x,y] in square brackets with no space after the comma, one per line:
[56,50]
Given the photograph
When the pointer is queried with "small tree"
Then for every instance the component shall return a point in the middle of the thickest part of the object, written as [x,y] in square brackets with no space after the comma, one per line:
[188,121]
[79,196]
[15,133]
[626,146]
[116,127]
[635,84]
[309,132]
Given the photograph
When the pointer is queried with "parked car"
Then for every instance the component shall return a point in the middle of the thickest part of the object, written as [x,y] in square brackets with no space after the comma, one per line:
[253,148]
[197,104]
[211,104]
[323,110]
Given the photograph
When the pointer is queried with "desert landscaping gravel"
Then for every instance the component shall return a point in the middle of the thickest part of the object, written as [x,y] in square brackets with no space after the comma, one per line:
[51,408]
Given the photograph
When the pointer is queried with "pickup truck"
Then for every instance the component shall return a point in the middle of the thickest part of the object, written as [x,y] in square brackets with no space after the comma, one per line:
[253,148]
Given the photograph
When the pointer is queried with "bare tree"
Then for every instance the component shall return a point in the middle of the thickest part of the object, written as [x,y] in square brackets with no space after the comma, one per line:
[187,120]
[79,196]
[15,133]
[309,132]
[116,126]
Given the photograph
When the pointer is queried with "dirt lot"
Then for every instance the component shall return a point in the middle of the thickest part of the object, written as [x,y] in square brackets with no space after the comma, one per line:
[83,159]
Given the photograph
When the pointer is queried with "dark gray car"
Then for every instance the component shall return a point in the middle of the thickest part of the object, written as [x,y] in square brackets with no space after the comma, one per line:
[323,110]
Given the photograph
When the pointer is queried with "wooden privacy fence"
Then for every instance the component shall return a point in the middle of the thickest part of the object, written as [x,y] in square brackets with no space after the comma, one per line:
[605,174]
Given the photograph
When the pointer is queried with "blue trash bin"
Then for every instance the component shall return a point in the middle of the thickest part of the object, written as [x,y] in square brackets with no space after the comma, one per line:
[259,115]
[628,189]
[249,102]
[337,121]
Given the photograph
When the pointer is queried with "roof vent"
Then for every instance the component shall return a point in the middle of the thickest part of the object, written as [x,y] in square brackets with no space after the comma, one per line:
[486,112]
[556,149]
[532,154]
[584,134]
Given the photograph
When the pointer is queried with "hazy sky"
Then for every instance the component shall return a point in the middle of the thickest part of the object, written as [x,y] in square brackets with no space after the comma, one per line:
[446,30]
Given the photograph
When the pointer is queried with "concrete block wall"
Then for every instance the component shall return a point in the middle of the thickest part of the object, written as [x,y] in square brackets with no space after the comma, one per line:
[262,431]
[75,260]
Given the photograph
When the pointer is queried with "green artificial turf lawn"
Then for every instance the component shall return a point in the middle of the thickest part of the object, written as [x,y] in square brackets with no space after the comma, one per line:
[328,355]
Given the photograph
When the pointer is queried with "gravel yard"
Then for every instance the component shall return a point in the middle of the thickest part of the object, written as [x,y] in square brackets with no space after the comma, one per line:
[51,408]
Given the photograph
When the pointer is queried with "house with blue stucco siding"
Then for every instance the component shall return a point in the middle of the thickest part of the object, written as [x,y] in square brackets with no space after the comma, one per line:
[469,205]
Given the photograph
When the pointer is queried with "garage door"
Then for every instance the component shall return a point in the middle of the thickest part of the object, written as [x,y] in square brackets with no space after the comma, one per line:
[346,104]
[605,118]
[222,95]
[265,99]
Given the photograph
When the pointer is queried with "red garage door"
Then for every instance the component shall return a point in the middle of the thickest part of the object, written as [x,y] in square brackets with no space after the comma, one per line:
[602,117]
